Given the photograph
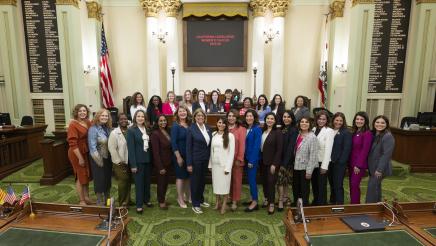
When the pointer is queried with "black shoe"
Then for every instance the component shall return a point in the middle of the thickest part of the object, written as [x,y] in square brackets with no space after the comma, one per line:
[279,209]
[246,203]
[248,210]
[149,205]
[265,204]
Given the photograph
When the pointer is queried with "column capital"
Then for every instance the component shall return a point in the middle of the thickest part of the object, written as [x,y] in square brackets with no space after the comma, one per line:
[425,1]
[8,2]
[259,7]
[75,3]
[337,8]
[171,7]
[94,10]
[279,7]
[151,7]
[355,2]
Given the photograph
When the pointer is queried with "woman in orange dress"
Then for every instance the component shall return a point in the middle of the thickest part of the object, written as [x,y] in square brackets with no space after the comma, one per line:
[77,137]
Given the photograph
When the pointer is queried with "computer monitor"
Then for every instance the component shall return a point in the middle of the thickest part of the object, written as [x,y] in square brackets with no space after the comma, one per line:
[5,119]
[427,119]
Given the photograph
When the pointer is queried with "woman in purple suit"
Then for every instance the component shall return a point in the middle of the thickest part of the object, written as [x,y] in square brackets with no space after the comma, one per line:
[361,144]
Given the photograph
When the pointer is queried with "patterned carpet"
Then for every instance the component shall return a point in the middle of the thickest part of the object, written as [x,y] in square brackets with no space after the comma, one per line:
[179,226]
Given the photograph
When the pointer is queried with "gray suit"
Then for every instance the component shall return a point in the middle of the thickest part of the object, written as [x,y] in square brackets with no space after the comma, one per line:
[379,159]
[300,113]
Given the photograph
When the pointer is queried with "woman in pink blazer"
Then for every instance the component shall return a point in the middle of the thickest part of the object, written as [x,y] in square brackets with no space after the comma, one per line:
[361,144]
[170,106]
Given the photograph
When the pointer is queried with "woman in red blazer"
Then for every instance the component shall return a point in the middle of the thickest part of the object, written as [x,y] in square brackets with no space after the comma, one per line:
[271,157]
[161,146]
[170,106]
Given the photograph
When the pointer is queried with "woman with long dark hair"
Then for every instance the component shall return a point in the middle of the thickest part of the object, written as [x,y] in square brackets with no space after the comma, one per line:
[339,158]
[247,104]
[277,106]
[137,103]
[215,106]
[154,109]
[262,108]
[284,180]
[222,151]
[379,159]
[138,146]
[239,132]
[271,158]
[361,144]
[300,108]
[161,147]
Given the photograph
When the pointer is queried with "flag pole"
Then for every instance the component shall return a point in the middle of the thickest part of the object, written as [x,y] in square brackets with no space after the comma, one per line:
[32,214]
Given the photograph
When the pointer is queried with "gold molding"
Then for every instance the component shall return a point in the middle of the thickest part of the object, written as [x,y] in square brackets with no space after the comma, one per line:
[151,7]
[425,1]
[337,8]
[8,2]
[94,10]
[355,2]
[75,3]
[171,7]
[279,7]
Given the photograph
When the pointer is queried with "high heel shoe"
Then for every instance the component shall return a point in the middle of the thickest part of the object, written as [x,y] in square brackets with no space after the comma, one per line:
[249,210]
[182,205]
[269,211]
[265,203]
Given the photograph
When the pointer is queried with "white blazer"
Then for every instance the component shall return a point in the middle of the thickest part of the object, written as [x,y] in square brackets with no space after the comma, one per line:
[325,143]
[118,146]
[219,155]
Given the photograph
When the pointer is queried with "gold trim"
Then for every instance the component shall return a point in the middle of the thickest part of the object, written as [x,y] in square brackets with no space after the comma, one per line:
[151,7]
[279,7]
[355,2]
[337,8]
[75,3]
[172,7]
[215,9]
[425,1]
[8,2]
[259,7]
[94,10]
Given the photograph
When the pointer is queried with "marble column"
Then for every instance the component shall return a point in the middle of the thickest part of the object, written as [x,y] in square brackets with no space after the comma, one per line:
[171,8]
[421,48]
[359,55]
[14,65]
[91,55]
[70,47]
[151,9]
[337,46]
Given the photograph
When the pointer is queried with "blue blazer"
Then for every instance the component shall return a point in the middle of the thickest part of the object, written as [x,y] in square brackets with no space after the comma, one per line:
[135,148]
[342,146]
[197,150]
[252,145]
[178,139]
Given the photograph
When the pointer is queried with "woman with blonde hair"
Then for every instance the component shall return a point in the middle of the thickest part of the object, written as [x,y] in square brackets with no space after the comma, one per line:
[101,165]
[187,100]
[170,106]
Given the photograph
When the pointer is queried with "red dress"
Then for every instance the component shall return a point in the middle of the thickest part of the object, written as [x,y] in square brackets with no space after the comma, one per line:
[77,137]
[237,171]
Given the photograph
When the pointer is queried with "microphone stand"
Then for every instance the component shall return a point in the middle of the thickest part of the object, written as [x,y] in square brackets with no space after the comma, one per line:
[306,234]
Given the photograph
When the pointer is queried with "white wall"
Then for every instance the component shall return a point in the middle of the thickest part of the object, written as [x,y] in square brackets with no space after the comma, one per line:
[126,36]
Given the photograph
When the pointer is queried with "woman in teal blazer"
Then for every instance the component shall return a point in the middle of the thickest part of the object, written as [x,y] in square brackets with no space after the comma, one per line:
[252,154]
[139,150]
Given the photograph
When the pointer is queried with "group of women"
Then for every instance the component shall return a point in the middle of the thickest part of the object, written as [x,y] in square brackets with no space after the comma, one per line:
[287,147]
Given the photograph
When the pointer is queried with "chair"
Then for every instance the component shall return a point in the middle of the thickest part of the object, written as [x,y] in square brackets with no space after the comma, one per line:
[126,106]
[410,120]
[114,115]
[27,121]
[316,110]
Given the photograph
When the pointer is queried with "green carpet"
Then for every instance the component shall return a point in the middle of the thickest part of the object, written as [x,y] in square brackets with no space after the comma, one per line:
[179,226]
[384,238]
[29,174]
[432,231]
[25,237]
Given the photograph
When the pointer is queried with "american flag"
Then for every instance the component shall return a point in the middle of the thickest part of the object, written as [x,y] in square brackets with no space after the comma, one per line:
[2,196]
[10,196]
[105,74]
[322,80]
[25,196]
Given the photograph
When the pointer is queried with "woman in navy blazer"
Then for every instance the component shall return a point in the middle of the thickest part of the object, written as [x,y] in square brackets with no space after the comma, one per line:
[339,158]
[198,141]
[139,153]
[252,154]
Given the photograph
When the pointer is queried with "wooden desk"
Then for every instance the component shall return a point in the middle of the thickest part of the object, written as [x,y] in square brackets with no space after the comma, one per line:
[55,157]
[19,146]
[415,148]
[69,219]
[419,216]
[323,221]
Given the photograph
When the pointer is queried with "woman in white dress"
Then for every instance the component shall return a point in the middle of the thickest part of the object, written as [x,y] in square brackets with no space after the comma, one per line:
[221,162]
